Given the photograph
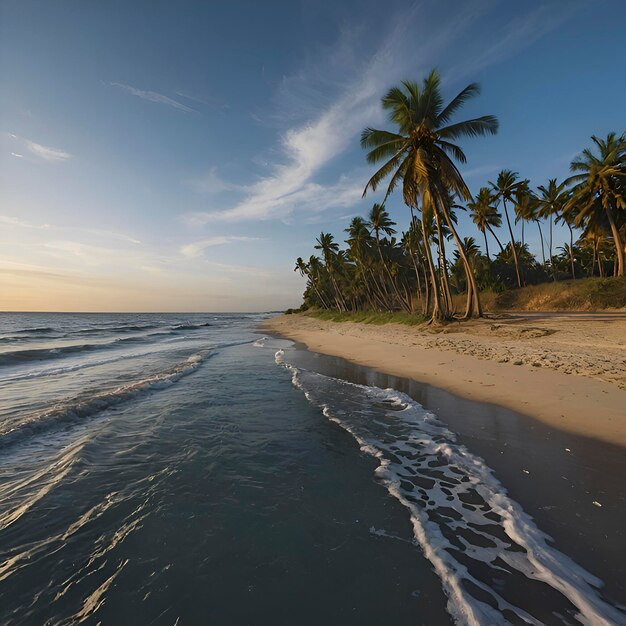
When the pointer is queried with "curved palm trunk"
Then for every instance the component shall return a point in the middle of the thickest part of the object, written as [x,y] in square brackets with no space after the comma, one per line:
[394,287]
[443,265]
[319,295]
[419,281]
[472,289]
[486,246]
[438,313]
[495,237]
[571,250]
[515,261]
[543,253]
[619,246]
[550,250]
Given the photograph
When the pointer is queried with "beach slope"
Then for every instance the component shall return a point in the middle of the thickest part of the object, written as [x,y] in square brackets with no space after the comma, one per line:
[567,370]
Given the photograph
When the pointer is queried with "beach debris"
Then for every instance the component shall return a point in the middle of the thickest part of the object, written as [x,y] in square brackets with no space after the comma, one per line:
[596,503]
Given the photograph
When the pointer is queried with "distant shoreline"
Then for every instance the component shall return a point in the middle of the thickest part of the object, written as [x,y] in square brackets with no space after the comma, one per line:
[569,379]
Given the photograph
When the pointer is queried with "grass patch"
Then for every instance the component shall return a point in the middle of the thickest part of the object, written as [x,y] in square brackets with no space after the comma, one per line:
[368,317]
[584,294]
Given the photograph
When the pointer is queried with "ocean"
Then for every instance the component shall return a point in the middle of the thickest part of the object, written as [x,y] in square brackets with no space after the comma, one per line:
[187,469]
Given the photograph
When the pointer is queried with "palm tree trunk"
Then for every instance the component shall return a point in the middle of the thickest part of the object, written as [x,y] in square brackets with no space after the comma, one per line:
[419,280]
[486,246]
[551,257]
[571,250]
[495,237]
[394,287]
[472,288]
[543,252]
[443,266]
[515,261]
[438,313]
[619,246]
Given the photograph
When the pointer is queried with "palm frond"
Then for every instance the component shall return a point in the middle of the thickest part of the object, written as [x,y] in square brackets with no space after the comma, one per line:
[472,90]
[478,127]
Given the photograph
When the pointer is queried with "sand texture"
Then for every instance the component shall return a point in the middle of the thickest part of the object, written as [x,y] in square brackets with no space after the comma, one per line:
[568,370]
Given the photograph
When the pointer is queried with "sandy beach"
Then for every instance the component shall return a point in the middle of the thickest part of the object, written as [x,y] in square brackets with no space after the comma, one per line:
[566,370]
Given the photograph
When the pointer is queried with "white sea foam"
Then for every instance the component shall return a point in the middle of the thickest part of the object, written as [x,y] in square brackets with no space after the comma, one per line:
[481,543]
[90,403]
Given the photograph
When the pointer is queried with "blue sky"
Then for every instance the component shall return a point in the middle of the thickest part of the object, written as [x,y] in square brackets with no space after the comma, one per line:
[181,155]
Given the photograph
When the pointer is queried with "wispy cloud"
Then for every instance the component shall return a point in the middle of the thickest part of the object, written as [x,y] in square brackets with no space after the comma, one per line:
[46,152]
[194,249]
[307,148]
[153,96]
[9,220]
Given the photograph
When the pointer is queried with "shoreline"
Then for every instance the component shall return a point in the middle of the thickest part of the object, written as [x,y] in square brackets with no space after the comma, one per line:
[470,365]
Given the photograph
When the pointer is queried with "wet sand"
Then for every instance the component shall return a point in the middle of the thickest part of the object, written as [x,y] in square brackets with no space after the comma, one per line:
[571,484]
[567,371]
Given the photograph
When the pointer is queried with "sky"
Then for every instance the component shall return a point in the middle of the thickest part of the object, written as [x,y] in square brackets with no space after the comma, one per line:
[179,156]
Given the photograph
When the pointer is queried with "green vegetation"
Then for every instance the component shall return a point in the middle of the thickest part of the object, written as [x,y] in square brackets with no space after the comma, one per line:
[428,271]
[586,294]
[367,317]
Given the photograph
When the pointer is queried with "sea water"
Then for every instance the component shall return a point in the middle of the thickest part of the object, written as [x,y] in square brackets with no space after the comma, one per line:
[184,469]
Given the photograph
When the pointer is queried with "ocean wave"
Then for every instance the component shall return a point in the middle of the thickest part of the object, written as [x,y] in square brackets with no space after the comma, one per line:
[190,326]
[481,543]
[19,357]
[88,404]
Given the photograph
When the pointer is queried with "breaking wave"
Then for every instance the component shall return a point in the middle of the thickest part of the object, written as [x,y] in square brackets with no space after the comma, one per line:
[88,404]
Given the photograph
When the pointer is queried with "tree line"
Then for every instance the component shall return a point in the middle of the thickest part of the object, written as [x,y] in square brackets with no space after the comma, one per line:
[420,270]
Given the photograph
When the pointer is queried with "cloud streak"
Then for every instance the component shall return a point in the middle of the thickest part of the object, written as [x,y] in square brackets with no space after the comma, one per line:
[194,249]
[153,96]
[306,149]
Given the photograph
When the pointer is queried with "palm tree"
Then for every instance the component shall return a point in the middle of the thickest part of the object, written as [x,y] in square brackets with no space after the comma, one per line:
[506,186]
[602,177]
[485,215]
[316,270]
[379,221]
[360,242]
[569,217]
[330,249]
[420,154]
[550,203]
[305,270]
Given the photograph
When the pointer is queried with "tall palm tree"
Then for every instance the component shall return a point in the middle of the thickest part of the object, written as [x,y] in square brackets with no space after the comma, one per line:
[569,218]
[485,215]
[421,154]
[505,187]
[327,244]
[603,177]
[550,203]
[305,270]
[380,222]
[360,242]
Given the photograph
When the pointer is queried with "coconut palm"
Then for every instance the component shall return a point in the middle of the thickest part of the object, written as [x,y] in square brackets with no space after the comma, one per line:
[485,215]
[360,244]
[506,187]
[421,154]
[550,203]
[603,177]
[380,222]
[330,250]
